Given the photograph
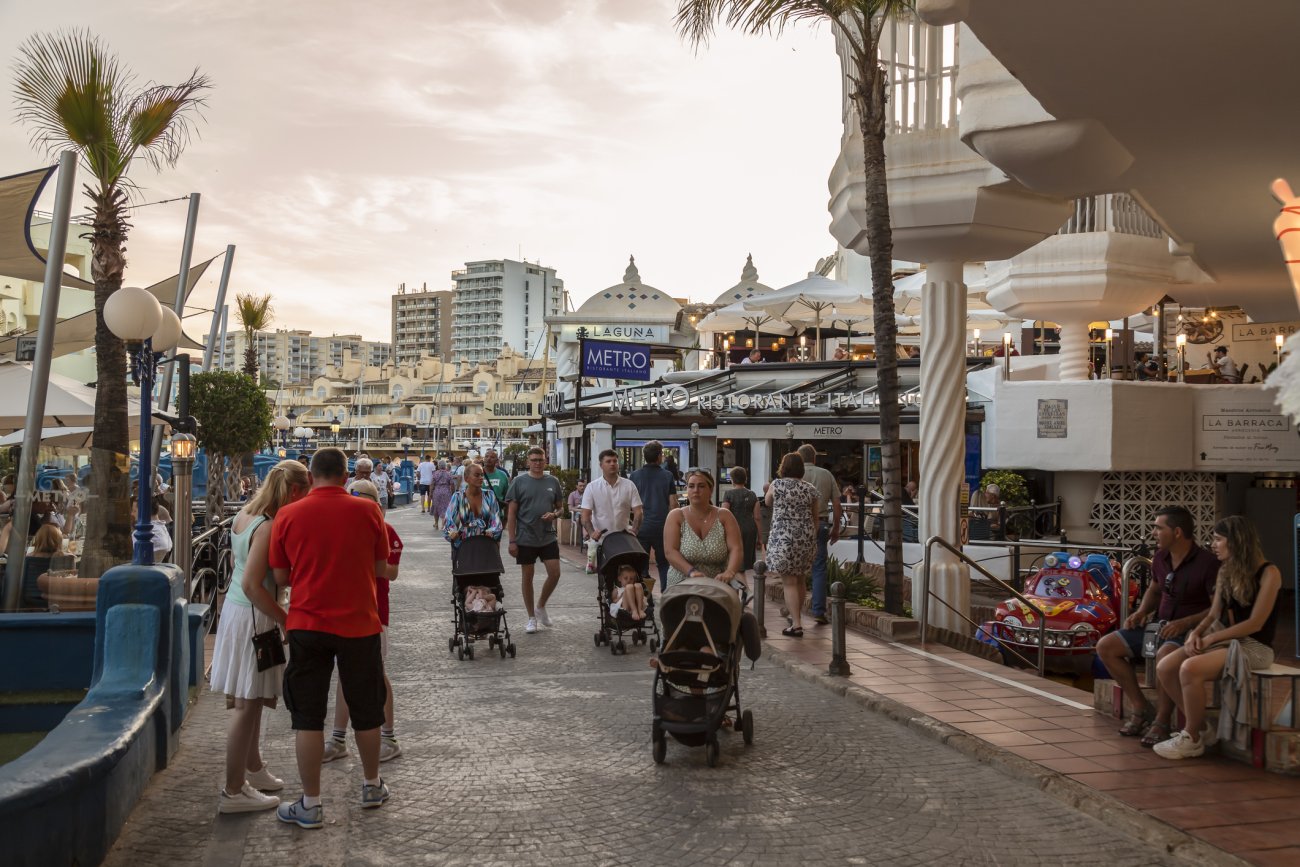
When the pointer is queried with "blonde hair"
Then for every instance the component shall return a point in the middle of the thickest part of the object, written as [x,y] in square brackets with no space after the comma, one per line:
[365,488]
[1237,575]
[275,492]
[48,540]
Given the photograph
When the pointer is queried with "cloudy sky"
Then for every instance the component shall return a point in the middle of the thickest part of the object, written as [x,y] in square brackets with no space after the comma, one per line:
[349,147]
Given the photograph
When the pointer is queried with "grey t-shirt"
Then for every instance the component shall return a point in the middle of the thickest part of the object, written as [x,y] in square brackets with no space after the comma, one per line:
[654,484]
[827,491]
[535,497]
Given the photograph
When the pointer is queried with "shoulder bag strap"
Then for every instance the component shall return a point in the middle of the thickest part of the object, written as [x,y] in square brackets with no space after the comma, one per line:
[252,530]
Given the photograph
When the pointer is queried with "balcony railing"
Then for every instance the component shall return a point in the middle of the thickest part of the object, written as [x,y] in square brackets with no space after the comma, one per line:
[1111,212]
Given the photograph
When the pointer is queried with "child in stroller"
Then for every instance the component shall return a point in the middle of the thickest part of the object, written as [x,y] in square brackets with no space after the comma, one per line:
[697,675]
[623,593]
[475,598]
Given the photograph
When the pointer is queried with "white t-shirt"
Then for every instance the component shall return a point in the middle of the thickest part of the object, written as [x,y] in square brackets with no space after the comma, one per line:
[1227,367]
[425,471]
[611,505]
[381,481]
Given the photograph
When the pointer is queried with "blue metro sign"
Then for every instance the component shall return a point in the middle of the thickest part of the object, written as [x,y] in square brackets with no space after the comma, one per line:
[605,359]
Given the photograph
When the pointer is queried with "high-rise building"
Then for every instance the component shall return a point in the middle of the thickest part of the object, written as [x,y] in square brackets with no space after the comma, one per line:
[421,324]
[297,356]
[499,302]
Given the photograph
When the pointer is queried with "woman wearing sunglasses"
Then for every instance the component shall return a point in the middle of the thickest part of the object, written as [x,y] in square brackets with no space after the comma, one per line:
[701,540]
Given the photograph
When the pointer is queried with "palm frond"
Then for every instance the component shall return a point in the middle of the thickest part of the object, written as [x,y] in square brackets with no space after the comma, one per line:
[254,311]
[160,119]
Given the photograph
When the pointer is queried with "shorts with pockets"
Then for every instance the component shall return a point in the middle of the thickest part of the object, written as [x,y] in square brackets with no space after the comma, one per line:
[1133,638]
[530,554]
[311,666]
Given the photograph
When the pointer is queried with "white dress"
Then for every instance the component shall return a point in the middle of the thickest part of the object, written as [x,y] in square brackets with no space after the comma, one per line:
[234,665]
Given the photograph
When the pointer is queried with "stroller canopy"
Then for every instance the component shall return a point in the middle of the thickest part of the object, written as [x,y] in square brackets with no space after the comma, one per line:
[478,555]
[618,550]
[719,605]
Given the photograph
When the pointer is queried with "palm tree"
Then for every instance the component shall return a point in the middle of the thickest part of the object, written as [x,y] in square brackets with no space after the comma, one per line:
[858,23]
[255,314]
[73,92]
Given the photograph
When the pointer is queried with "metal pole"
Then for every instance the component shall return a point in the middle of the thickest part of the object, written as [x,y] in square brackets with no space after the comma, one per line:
[760,596]
[225,316]
[839,662]
[183,477]
[146,366]
[25,489]
[924,611]
[182,289]
[218,317]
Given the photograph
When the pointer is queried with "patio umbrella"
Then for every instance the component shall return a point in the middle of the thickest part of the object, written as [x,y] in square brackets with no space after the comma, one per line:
[811,300]
[68,403]
[734,317]
[63,437]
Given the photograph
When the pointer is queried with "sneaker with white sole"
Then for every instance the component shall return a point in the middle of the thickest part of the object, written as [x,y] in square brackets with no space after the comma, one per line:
[389,749]
[373,796]
[301,815]
[247,800]
[334,749]
[1180,746]
[1209,734]
[531,626]
[542,617]
[265,781]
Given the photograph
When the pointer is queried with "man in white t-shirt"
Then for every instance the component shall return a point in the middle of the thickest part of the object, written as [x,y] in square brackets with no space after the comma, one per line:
[424,482]
[611,503]
[383,482]
[1223,362]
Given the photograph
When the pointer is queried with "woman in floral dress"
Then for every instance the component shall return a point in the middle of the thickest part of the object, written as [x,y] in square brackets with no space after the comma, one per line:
[792,542]
[442,485]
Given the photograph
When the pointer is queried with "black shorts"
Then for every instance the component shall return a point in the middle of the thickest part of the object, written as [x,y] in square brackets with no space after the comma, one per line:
[1133,638]
[420,488]
[311,665]
[530,554]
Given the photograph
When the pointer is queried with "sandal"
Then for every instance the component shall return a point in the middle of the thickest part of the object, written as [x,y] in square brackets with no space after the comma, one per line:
[1137,723]
[1157,733]
[793,632]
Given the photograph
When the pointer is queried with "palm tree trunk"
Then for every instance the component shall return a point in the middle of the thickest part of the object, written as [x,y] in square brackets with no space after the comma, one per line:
[869,98]
[250,355]
[215,494]
[108,513]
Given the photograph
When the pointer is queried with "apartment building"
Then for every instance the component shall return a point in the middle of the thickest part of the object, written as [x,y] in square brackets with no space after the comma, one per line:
[421,324]
[296,355]
[501,301]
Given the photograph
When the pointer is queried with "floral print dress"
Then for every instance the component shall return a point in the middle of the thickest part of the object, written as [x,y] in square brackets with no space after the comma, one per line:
[442,485]
[792,542]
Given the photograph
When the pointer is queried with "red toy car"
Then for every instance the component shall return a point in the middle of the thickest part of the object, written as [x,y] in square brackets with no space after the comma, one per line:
[1078,599]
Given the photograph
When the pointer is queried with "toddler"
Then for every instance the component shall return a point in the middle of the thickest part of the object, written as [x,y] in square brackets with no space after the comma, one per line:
[480,599]
[629,594]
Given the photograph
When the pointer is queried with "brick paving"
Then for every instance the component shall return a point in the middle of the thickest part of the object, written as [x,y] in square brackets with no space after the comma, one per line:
[546,758]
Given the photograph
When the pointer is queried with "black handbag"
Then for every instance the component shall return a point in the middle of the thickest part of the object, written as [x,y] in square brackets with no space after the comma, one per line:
[268,647]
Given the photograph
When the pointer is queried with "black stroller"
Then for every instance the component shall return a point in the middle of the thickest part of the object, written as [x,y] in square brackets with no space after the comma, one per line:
[697,681]
[478,563]
[616,551]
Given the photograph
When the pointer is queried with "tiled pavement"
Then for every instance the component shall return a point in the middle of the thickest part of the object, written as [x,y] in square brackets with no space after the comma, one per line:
[1236,807]
[546,758]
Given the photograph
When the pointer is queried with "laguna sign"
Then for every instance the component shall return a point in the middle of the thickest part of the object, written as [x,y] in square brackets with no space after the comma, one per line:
[639,333]
[612,360]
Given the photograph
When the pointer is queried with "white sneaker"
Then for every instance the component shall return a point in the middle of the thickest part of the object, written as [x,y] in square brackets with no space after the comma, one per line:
[265,781]
[531,626]
[334,749]
[249,800]
[1180,746]
[389,749]
[543,617]
[1209,734]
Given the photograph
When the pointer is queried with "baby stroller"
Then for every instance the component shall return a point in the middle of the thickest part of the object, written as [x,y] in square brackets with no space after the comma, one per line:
[478,562]
[697,681]
[616,551]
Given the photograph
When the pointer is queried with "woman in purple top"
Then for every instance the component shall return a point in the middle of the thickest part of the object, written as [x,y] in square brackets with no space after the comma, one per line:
[442,485]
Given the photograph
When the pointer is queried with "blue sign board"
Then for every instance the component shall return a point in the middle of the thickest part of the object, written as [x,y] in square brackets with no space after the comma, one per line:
[607,359]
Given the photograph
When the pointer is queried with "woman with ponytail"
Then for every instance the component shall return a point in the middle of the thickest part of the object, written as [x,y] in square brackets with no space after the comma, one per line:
[1244,611]
[251,608]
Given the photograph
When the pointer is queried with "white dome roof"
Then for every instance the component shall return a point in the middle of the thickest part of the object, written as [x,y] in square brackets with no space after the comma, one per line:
[748,287]
[630,298]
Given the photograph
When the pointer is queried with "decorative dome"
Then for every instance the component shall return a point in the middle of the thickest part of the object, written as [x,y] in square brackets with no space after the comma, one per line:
[629,298]
[748,287]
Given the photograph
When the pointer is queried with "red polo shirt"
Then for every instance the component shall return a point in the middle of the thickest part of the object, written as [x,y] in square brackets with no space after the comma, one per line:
[330,541]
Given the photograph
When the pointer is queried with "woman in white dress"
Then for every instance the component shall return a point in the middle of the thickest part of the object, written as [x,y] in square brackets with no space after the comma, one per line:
[251,608]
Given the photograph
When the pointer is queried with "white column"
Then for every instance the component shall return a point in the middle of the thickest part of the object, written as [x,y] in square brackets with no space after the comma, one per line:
[602,437]
[943,440]
[1074,350]
[760,461]
[706,454]
[1078,491]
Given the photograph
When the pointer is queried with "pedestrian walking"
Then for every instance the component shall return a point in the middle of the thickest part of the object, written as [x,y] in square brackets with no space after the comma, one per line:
[534,500]
[442,484]
[828,527]
[743,504]
[611,503]
[473,511]
[337,746]
[792,542]
[328,548]
[702,540]
[383,484]
[575,507]
[495,477]
[658,491]
[424,482]
[235,673]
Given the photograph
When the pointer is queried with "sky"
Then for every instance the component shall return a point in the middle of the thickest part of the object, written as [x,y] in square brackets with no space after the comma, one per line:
[347,147]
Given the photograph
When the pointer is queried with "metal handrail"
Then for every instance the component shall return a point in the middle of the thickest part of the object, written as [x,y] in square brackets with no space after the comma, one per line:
[1126,571]
[926,594]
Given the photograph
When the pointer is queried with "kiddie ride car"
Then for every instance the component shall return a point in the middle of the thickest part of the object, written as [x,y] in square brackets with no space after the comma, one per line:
[1079,599]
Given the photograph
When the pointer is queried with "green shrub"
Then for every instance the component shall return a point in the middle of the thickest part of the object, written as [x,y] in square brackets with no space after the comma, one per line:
[1012,485]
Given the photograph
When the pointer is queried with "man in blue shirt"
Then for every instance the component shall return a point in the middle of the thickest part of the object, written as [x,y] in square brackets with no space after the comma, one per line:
[658,490]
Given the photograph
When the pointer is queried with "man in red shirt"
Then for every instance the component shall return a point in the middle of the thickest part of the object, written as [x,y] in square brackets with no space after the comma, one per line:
[328,547]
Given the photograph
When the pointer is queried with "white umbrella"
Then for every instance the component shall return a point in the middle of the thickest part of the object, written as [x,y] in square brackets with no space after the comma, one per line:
[68,403]
[812,300]
[734,317]
[65,437]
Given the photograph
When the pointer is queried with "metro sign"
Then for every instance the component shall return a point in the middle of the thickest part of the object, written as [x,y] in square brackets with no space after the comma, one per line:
[609,360]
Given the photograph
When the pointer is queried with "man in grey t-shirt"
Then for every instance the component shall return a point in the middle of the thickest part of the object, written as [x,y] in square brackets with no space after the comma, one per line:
[658,490]
[828,530]
[534,501]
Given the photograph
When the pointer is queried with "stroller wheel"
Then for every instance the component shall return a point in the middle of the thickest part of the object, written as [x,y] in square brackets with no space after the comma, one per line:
[492,641]
[659,749]
[622,648]
[596,639]
[460,653]
[654,645]
[469,652]
[501,646]
[711,750]
[510,649]
[451,644]
[747,726]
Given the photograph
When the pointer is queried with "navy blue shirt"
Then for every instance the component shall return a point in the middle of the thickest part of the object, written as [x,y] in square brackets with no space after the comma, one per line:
[654,484]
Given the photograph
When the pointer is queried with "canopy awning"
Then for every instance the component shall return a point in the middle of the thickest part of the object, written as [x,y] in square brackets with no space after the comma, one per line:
[19,257]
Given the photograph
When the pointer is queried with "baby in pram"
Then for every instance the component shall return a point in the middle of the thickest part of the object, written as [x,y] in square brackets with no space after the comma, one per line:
[479,598]
[629,595]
